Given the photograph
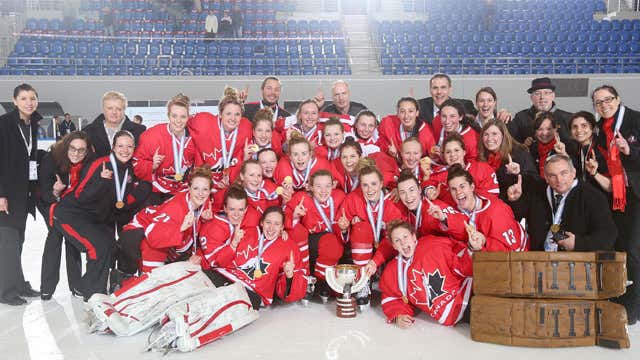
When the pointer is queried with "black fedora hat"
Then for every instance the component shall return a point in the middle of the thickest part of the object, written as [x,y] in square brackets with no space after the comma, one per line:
[541,83]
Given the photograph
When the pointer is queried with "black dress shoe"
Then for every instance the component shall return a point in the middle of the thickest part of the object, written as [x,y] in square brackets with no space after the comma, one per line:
[15,301]
[77,293]
[28,291]
[46,297]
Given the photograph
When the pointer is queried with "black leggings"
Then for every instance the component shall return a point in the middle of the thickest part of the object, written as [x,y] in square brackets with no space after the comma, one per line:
[219,280]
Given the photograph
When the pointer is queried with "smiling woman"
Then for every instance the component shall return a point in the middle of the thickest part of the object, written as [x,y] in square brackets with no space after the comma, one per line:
[18,176]
[619,131]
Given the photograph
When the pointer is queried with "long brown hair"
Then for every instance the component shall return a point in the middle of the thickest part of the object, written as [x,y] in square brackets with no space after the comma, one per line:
[60,150]
[507,145]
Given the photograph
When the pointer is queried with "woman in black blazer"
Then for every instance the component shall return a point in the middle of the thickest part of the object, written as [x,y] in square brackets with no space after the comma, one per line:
[18,179]
[619,131]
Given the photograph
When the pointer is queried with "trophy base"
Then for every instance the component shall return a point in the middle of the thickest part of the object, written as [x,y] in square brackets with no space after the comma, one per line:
[346,308]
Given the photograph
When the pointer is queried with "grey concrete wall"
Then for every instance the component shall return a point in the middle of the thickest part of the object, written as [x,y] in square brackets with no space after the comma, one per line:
[81,95]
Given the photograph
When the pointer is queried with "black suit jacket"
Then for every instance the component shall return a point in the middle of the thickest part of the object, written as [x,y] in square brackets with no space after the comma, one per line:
[426,108]
[586,215]
[250,110]
[354,108]
[14,169]
[100,140]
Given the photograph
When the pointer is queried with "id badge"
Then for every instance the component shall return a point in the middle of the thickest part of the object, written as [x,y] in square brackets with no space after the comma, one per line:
[33,170]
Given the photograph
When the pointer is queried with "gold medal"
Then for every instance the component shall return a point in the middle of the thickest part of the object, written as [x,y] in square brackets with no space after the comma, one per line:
[555,228]
[288,180]
[404,298]
[425,161]
[257,273]
[178,177]
[255,148]
[279,190]
[119,204]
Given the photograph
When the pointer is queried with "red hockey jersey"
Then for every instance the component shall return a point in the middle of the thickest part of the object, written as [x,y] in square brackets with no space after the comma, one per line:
[159,138]
[312,220]
[346,120]
[495,221]
[390,130]
[437,281]
[270,278]
[484,178]
[205,131]
[385,163]
[299,178]
[355,205]
[163,230]
[265,197]
[469,136]
[216,234]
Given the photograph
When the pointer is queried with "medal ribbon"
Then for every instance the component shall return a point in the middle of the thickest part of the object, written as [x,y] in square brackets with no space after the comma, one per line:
[261,248]
[302,179]
[327,221]
[121,187]
[557,215]
[227,155]
[418,215]
[275,113]
[376,225]
[472,214]
[178,152]
[402,273]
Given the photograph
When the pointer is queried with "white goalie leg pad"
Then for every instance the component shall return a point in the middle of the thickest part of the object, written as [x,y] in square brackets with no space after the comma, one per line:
[145,301]
[210,315]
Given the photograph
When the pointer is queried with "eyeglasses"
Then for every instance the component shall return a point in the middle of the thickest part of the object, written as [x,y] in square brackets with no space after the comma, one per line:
[606,101]
[80,151]
[542,93]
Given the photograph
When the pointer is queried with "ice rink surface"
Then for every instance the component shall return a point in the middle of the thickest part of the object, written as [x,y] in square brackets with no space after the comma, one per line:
[57,329]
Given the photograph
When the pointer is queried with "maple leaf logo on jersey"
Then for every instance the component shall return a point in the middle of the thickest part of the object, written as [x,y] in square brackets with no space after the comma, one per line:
[434,285]
[215,155]
[250,270]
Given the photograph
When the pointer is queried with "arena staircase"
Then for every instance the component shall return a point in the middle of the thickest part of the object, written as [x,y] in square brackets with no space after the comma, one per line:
[361,52]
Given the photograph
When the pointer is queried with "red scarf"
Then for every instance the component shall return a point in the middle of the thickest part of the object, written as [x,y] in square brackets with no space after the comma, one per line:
[615,168]
[543,153]
[495,160]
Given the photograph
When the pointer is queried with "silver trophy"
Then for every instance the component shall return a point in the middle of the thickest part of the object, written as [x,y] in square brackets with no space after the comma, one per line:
[346,279]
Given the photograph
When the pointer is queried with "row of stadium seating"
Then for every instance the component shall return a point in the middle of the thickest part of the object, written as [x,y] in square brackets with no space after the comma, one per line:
[79,56]
[530,6]
[583,65]
[268,28]
[560,31]
[129,5]
[85,48]
[215,70]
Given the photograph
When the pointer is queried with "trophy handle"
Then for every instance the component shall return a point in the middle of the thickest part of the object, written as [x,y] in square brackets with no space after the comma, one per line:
[362,282]
[330,277]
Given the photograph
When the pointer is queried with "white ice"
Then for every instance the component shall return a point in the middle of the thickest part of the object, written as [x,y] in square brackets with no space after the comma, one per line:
[57,329]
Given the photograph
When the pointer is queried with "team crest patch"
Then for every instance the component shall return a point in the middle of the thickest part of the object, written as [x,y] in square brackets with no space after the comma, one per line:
[434,285]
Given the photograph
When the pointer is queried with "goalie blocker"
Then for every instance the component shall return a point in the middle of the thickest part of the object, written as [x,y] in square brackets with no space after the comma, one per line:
[548,323]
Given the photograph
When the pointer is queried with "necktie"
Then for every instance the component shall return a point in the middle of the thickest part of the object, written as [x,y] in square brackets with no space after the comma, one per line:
[557,198]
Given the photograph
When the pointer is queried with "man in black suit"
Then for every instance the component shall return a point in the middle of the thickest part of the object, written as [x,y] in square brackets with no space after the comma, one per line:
[440,89]
[102,130]
[271,89]
[565,214]
[342,104]
[542,94]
